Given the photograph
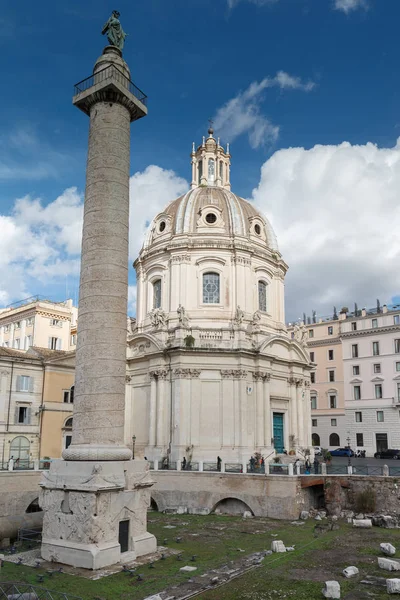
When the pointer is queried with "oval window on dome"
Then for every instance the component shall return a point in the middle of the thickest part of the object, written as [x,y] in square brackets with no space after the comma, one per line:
[162,226]
[211,218]
[257,229]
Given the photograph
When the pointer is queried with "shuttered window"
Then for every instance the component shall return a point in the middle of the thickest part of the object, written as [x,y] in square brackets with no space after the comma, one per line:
[23,415]
[24,383]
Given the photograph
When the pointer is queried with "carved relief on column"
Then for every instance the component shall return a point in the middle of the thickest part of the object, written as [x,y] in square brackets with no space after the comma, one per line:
[162,374]
[128,378]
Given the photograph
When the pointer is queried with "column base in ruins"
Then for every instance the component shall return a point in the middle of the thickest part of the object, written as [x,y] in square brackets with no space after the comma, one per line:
[95,513]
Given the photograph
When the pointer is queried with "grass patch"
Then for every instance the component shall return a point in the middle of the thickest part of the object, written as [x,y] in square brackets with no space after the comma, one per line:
[218,540]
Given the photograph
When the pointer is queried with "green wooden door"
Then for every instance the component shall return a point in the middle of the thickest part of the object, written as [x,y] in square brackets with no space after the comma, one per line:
[278,432]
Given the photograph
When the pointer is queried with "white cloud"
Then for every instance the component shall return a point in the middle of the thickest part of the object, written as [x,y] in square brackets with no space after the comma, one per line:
[348,5]
[150,191]
[40,244]
[242,114]
[132,292]
[336,213]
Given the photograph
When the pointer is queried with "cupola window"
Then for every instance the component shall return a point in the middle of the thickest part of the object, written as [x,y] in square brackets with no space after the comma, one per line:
[211,171]
[211,218]
[211,288]
[221,167]
[157,294]
[257,229]
[262,295]
[200,169]
[162,226]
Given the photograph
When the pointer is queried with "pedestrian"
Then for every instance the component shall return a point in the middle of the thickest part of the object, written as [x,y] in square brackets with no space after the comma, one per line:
[262,465]
[316,465]
[308,467]
[219,463]
[252,463]
[184,463]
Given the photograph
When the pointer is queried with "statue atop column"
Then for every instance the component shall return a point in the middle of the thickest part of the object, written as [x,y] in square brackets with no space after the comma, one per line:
[115,34]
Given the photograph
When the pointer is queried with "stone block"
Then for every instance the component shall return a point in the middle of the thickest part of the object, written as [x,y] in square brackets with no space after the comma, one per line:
[362,523]
[156,597]
[393,586]
[278,546]
[188,569]
[304,515]
[388,565]
[388,549]
[331,589]
[247,514]
[350,572]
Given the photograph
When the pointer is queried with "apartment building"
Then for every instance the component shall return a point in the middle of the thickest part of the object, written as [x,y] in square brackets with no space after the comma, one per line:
[36,394]
[371,361]
[36,322]
[327,391]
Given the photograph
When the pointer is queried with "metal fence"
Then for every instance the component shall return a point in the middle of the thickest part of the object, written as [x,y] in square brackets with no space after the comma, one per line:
[30,535]
[24,591]
[278,469]
[233,468]
[336,469]
[210,466]
[112,73]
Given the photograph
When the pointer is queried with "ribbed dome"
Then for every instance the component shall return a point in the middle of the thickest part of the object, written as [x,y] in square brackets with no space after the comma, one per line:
[212,211]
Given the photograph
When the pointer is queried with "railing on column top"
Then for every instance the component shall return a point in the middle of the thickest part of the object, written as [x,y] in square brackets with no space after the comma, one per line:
[110,72]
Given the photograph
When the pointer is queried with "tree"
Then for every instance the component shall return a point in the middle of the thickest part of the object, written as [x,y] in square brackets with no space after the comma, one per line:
[378,306]
[335,317]
[355,309]
[314,316]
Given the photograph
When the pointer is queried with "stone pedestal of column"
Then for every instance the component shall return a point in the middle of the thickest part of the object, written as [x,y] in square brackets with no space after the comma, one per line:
[84,504]
[95,501]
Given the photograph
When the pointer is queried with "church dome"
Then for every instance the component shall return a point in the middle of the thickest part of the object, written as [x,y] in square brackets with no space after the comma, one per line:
[212,211]
[210,208]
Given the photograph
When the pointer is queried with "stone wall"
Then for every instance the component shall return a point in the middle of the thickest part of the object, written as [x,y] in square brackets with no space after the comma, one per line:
[341,493]
[17,491]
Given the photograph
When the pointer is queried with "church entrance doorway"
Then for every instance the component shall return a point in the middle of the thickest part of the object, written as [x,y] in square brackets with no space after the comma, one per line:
[278,432]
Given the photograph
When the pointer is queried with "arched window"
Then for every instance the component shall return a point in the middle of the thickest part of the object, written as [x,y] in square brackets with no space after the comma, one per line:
[262,296]
[334,439]
[19,448]
[200,169]
[211,171]
[68,423]
[315,439]
[211,288]
[221,167]
[157,294]
[34,507]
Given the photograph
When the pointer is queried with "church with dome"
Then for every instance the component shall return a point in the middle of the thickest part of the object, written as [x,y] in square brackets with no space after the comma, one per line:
[211,369]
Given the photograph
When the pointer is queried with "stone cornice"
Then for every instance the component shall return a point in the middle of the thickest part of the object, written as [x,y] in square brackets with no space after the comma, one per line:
[315,343]
[366,332]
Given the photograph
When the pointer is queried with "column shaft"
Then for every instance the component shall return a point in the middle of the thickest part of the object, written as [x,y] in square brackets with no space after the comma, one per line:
[267,413]
[101,345]
[152,415]
[260,424]
[300,414]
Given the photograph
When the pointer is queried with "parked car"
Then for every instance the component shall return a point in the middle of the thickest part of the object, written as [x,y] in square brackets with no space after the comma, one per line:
[342,452]
[395,454]
[317,450]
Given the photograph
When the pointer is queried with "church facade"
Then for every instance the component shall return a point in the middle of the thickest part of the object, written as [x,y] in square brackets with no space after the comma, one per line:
[211,369]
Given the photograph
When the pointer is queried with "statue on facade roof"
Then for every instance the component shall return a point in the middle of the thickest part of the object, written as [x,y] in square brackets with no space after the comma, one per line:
[115,34]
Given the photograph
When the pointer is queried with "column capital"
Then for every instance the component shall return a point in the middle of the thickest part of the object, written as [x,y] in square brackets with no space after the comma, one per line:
[233,374]
[159,374]
[186,373]
[261,376]
[295,381]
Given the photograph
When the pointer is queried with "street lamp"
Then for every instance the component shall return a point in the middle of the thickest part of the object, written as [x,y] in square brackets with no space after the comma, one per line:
[348,445]
[133,446]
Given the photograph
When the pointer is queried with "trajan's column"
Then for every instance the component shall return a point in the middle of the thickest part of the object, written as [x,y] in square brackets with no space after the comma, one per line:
[95,500]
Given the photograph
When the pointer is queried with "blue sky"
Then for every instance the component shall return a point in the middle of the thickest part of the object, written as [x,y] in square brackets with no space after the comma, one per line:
[338,81]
